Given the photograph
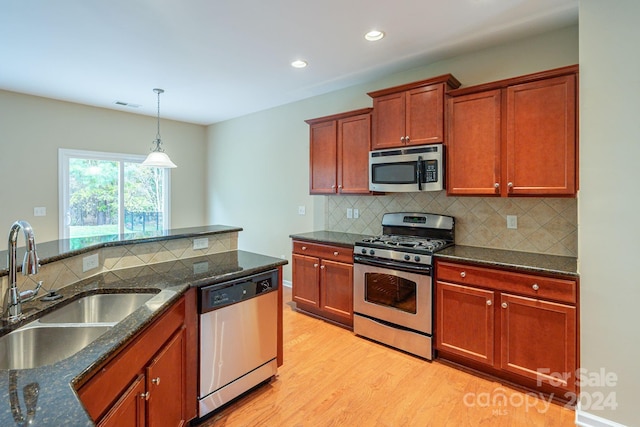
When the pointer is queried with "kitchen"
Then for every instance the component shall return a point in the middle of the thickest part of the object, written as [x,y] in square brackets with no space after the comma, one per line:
[607,318]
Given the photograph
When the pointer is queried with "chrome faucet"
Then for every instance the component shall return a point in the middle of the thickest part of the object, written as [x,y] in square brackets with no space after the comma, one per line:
[13,298]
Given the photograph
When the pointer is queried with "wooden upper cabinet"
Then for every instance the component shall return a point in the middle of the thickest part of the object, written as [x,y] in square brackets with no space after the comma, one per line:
[323,153]
[339,153]
[473,148]
[514,137]
[411,114]
[354,143]
[541,137]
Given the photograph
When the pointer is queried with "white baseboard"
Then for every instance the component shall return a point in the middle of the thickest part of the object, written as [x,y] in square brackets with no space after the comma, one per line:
[287,283]
[585,419]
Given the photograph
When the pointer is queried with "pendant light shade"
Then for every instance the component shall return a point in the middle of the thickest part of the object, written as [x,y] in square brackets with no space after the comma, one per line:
[157,157]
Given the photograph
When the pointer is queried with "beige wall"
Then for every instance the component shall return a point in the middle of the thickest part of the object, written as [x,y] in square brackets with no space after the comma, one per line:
[259,164]
[609,203]
[33,128]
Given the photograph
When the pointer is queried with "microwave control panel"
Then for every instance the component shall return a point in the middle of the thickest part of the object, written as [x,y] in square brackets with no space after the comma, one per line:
[431,171]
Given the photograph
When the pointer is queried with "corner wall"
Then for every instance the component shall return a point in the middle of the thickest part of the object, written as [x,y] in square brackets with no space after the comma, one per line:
[608,207]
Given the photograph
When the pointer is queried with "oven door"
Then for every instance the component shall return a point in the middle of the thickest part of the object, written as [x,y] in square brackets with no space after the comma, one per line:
[394,296]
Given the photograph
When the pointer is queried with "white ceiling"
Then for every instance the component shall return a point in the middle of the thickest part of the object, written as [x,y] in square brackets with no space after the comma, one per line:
[220,59]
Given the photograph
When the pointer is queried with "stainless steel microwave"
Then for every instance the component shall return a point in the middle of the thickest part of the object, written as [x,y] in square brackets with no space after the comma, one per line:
[407,169]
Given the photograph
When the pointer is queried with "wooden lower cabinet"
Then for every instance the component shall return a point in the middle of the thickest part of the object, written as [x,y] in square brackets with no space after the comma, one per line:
[146,384]
[526,340]
[323,281]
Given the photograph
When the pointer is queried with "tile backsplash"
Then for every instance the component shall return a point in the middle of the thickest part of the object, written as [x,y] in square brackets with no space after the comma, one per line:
[67,271]
[545,225]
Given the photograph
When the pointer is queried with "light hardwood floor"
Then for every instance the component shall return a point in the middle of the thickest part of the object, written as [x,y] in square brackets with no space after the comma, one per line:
[331,377]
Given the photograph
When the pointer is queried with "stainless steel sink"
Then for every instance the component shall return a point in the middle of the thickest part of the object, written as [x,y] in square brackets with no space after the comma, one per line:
[99,308]
[32,345]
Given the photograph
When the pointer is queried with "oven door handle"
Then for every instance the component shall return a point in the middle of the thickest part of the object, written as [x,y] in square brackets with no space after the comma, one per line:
[411,268]
[419,173]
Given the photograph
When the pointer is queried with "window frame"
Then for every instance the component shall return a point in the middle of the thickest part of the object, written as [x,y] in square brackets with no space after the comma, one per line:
[65,154]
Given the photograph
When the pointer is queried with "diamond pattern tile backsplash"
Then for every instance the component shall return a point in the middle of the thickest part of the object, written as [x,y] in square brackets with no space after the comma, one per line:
[62,273]
[545,225]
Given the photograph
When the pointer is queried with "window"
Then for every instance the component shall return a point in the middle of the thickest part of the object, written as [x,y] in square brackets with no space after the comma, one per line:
[110,193]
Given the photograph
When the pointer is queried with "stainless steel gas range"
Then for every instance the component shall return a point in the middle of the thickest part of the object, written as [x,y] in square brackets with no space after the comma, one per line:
[393,290]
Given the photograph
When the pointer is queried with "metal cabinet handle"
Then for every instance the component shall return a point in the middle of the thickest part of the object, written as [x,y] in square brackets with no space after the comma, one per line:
[489,302]
[156,381]
[535,287]
[505,305]
[463,274]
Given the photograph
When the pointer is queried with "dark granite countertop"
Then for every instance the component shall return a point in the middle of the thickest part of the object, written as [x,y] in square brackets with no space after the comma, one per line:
[522,261]
[60,249]
[57,402]
[330,237]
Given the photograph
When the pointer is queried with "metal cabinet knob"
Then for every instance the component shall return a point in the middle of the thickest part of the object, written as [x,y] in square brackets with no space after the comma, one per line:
[322,267]
[336,253]
[156,381]
[402,139]
[304,248]
[406,138]
[505,305]
[510,185]
[144,395]
[489,302]
[463,274]
[535,287]
[333,187]
[315,265]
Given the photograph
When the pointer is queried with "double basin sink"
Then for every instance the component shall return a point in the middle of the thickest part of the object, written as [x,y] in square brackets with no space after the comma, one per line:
[67,330]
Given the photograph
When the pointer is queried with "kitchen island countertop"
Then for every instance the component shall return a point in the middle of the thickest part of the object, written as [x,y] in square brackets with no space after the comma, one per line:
[57,402]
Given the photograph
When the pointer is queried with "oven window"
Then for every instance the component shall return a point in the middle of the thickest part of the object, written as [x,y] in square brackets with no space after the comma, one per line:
[390,291]
[394,173]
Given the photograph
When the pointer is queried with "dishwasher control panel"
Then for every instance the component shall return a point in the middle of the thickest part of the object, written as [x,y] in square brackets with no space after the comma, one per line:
[219,295]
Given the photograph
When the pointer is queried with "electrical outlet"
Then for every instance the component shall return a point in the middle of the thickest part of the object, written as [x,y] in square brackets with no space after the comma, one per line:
[90,262]
[512,222]
[202,243]
[356,213]
[301,210]
[349,213]
[200,267]
[40,211]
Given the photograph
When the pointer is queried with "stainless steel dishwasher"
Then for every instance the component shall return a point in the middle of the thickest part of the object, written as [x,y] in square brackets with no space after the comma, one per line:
[238,338]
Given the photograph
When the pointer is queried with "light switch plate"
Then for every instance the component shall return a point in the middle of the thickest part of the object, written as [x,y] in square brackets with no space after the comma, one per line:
[90,262]
[202,243]
[512,222]
[349,213]
[200,267]
[302,210]
[356,213]
[40,211]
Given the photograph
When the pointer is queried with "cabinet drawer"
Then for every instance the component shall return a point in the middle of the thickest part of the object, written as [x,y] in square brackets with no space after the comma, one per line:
[524,284]
[334,253]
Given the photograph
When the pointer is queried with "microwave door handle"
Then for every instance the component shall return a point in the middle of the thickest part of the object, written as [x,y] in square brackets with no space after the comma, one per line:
[419,173]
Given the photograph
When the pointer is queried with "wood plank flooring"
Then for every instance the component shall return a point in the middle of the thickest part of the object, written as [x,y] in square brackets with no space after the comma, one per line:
[331,377]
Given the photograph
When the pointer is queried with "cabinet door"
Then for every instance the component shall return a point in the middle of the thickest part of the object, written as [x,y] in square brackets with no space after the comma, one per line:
[465,321]
[473,146]
[165,384]
[129,410]
[322,167]
[424,115]
[354,143]
[538,340]
[336,279]
[388,121]
[306,280]
[541,137]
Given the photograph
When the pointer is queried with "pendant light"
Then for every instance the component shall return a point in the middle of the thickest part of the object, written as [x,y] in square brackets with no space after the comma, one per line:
[157,157]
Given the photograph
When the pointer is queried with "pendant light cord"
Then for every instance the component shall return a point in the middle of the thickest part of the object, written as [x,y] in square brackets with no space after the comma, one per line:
[158,141]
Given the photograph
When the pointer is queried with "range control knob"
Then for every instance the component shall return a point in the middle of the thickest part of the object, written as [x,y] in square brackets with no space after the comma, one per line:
[407,257]
[364,251]
[265,285]
[416,258]
[372,252]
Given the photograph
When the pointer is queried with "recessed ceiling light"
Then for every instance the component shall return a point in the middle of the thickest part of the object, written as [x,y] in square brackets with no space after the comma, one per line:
[299,63]
[374,35]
